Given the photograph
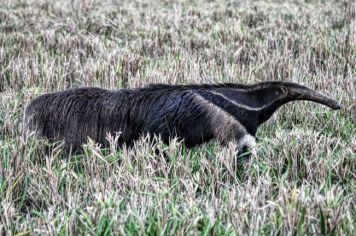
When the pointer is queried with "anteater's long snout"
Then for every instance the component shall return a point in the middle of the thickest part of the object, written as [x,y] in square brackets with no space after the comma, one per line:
[304,93]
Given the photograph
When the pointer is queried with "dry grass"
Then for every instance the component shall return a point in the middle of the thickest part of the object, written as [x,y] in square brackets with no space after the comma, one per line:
[303,179]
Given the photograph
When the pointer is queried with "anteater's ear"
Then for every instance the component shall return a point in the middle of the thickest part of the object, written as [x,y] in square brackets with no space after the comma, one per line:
[284,90]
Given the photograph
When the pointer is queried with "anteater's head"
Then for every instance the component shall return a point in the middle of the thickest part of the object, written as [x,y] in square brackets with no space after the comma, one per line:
[294,92]
[272,95]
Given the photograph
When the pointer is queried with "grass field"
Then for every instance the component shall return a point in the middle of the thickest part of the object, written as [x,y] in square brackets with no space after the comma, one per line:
[303,180]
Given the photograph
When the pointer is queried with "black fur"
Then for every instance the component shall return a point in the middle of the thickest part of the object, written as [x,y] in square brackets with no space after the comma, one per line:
[193,113]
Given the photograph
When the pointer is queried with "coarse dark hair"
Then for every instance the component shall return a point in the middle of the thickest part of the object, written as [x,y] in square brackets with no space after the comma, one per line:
[193,113]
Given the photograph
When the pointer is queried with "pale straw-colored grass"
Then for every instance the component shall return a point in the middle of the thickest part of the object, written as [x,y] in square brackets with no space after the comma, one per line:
[302,180]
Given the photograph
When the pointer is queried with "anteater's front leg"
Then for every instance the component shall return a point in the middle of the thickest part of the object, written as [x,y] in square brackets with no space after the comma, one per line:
[226,128]
[230,132]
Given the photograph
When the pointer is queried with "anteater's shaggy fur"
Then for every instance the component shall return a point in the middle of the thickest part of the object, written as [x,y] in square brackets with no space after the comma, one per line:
[193,113]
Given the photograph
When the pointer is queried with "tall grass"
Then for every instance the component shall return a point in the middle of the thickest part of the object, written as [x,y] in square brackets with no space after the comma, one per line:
[302,180]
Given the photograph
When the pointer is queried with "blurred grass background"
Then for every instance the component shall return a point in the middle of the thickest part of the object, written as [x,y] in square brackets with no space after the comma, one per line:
[303,179]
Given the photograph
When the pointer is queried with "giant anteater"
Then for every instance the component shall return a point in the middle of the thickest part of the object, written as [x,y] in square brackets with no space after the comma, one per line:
[193,113]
